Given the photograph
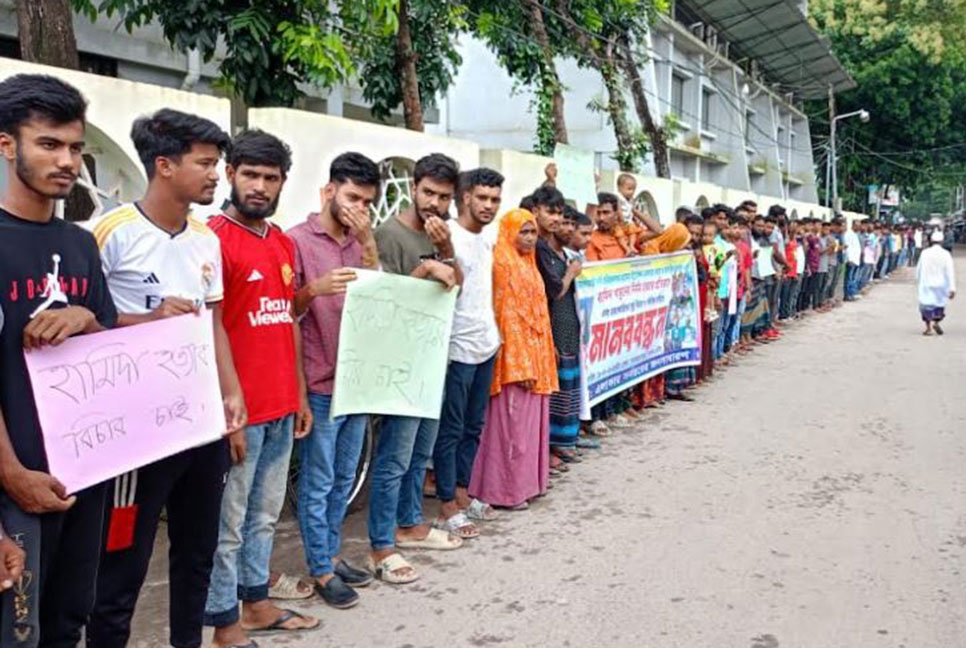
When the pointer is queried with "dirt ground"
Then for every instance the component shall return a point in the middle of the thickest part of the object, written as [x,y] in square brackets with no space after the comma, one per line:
[811,497]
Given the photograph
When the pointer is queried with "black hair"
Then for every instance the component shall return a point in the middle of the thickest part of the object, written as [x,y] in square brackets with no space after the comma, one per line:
[708,222]
[771,219]
[605,198]
[721,208]
[355,167]
[682,214]
[547,196]
[527,203]
[708,213]
[171,133]
[583,220]
[759,217]
[258,148]
[694,219]
[571,213]
[776,211]
[437,167]
[28,96]
[745,204]
[741,221]
[481,177]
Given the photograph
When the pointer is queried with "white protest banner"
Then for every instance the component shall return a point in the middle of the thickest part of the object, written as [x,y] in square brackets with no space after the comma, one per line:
[121,399]
[575,175]
[638,317]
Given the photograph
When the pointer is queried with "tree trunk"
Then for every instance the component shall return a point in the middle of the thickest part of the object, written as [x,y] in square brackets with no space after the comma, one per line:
[655,133]
[617,110]
[605,62]
[550,70]
[412,107]
[47,33]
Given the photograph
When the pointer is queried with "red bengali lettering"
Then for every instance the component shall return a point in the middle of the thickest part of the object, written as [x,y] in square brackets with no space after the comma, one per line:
[598,350]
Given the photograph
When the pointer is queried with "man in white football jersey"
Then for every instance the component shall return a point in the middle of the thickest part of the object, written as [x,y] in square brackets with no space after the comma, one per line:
[160,262]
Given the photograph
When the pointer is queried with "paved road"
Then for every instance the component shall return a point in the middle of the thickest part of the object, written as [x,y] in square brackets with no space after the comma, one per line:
[813,497]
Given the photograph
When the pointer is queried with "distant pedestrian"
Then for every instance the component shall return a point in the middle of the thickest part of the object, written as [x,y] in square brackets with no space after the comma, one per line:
[936,278]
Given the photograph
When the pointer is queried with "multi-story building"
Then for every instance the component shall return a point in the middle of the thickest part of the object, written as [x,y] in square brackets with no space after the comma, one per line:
[731,74]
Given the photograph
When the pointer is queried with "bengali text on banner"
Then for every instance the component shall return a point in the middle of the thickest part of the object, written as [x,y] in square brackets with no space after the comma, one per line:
[121,399]
[638,317]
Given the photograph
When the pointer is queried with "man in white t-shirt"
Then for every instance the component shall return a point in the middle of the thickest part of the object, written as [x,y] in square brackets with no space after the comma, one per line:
[473,346]
[160,262]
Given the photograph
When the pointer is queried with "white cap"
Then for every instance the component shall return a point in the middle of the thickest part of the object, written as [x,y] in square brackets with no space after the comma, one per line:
[937,237]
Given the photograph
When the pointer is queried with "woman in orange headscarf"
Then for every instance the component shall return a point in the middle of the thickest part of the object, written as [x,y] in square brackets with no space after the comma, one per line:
[674,238]
[513,462]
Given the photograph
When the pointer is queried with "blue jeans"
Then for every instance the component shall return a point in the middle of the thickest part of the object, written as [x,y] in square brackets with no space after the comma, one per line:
[465,399]
[723,341]
[851,280]
[328,458]
[250,506]
[736,327]
[399,468]
[785,309]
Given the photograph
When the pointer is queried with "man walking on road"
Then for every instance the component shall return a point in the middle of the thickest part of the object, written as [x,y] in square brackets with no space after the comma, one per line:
[936,277]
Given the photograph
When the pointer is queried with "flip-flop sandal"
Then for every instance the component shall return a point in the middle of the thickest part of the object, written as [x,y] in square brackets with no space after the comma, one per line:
[588,444]
[278,625]
[286,588]
[568,457]
[458,525]
[436,539]
[481,511]
[387,568]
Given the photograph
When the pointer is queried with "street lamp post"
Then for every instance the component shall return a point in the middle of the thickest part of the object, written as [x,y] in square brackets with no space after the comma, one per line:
[833,159]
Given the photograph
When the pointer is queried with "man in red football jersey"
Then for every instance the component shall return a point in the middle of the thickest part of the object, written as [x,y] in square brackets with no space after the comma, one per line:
[259,279]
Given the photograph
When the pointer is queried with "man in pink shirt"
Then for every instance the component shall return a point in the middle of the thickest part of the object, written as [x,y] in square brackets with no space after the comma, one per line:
[328,245]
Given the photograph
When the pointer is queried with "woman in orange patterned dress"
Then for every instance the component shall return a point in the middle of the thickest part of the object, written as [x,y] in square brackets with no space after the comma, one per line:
[513,462]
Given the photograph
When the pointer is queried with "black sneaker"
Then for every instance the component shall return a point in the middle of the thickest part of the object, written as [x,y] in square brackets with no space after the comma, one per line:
[352,576]
[337,594]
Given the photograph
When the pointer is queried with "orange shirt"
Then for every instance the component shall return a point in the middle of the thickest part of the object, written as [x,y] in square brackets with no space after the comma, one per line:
[604,246]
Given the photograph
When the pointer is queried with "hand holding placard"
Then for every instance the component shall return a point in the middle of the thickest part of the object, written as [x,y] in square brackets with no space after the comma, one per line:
[118,400]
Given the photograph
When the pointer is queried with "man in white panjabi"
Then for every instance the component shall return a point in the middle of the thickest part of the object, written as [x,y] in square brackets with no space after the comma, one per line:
[936,280]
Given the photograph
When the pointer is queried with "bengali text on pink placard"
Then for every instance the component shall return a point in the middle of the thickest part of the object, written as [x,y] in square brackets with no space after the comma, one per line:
[118,400]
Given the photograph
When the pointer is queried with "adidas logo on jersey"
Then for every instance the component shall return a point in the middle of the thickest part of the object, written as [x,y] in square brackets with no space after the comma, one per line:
[255,275]
[152,279]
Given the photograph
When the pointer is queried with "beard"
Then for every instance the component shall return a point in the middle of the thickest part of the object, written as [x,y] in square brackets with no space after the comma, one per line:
[28,176]
[253,213]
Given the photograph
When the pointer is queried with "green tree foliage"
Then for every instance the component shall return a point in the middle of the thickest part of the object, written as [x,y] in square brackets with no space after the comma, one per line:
[270,46]
[601,35]
[907,57]
[433,26]
[519,34]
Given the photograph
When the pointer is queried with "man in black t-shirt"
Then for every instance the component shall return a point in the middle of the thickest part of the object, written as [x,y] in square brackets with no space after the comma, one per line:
[51,287]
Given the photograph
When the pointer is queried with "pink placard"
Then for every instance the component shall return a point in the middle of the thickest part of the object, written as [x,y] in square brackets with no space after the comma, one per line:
[118,400]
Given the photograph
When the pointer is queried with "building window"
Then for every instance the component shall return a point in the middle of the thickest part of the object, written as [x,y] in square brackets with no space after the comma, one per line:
[677,95]
[749,116]
[707,96]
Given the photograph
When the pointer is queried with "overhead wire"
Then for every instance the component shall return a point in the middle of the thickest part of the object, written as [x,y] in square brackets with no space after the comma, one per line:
[700,72]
